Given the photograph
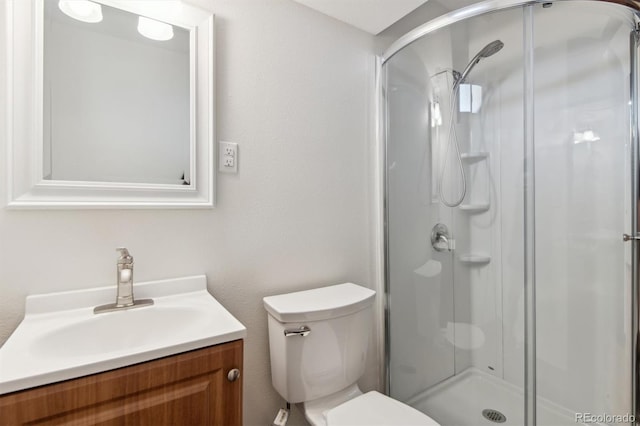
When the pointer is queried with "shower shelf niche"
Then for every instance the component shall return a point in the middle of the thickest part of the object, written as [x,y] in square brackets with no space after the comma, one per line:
[475,259]
[474,208]
[472,157]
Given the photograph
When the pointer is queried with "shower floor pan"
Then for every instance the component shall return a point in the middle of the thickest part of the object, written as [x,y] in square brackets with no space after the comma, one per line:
[461,400]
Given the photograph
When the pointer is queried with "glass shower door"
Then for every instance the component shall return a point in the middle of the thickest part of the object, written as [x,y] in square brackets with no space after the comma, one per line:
[582,208]
[420,277]
[456,310]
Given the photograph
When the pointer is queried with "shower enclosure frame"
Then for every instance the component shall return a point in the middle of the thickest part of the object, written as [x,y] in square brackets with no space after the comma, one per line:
[633,237]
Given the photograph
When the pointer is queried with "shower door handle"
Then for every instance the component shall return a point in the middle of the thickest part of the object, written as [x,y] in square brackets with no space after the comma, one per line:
[627,237]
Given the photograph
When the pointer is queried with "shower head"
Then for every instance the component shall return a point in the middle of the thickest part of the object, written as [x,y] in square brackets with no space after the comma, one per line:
[490,49]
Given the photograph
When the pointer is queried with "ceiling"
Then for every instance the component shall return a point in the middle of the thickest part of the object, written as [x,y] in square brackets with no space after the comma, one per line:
[372,16]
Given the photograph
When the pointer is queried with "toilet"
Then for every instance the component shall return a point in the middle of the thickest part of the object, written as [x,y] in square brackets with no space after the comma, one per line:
[318,342]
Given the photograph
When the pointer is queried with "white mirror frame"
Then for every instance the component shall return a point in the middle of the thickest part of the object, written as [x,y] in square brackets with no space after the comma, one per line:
[24,103]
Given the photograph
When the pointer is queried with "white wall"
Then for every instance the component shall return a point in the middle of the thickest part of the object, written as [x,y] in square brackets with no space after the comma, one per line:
[293,89]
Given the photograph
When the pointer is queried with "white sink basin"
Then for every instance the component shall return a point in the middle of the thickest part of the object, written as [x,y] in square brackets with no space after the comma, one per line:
[61,338]
[118,331]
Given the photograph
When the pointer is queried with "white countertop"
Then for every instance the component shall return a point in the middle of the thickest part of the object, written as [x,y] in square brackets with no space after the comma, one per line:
[61,338]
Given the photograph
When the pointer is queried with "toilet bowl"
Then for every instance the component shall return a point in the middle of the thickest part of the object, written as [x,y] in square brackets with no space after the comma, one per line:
[318,343]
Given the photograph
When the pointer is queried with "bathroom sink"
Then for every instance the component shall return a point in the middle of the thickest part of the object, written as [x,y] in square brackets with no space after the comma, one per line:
[118,331]
[61,338]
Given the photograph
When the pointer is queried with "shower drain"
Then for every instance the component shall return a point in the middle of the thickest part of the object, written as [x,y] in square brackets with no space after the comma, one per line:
[494,415]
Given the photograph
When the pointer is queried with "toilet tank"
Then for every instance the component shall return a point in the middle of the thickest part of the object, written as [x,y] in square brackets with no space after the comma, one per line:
[332,355]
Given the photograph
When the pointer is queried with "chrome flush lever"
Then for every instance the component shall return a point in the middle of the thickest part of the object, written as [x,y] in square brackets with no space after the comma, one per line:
[627,237]
[303,331]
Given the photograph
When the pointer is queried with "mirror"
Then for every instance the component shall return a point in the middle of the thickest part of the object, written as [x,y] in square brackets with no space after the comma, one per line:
[116,101]
[120,96]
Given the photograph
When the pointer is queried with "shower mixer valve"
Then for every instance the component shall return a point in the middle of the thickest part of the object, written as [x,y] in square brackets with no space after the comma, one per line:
[441,239]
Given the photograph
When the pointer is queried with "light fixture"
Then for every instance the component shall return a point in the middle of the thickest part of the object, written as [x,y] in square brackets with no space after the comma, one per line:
[82,10]
[155,30]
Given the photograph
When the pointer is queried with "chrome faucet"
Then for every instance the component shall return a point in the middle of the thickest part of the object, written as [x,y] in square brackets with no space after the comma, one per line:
[124,289]
[124,296]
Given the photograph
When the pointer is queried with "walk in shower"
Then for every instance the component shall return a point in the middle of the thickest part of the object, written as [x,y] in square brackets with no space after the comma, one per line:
[510,131]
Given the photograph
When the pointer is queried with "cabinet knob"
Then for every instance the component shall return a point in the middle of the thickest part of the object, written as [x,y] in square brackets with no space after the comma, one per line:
[233,375]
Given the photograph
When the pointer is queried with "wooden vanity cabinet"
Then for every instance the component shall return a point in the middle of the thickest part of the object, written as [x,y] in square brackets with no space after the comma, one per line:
[191,388]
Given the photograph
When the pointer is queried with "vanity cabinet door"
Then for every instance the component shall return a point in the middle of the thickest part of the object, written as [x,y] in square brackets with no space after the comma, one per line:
[192,388]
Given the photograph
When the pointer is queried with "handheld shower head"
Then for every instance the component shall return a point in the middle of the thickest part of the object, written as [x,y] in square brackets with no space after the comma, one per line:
[459,78]
[490,49]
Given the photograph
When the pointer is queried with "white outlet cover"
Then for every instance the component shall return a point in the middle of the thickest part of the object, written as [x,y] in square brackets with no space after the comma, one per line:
[226,151]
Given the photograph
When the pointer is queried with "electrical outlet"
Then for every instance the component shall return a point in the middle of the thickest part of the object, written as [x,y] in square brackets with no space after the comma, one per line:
[228,157]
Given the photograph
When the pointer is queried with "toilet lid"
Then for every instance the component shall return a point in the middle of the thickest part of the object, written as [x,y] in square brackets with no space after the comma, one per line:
[376,409]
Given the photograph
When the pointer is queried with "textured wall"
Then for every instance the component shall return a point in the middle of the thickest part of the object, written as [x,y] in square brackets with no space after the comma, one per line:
[294,90]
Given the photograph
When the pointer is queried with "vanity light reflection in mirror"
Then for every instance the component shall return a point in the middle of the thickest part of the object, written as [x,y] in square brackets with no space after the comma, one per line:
[154,30]
[117,100]
[82,10]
